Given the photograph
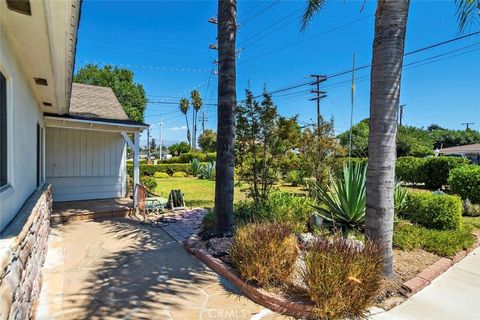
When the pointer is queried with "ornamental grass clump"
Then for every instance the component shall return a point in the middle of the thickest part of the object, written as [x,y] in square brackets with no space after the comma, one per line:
[264,253]
[342,280]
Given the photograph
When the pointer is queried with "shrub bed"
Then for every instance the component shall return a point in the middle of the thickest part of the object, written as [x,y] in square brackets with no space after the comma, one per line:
[465,181]
[187,157]
[264,253]
[434,211]
[160,175]
[407,236]
[341,280]
[150,169]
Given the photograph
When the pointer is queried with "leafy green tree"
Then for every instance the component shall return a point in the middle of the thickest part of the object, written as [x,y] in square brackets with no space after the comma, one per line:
[263,139]
[359,139]
[450,138]
[179,148]
[196,104]
[184,105]
[208,141]
[318,150]
[131,95]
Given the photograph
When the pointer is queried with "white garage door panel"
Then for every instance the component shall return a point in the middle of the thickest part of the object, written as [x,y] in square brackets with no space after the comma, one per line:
[82,164]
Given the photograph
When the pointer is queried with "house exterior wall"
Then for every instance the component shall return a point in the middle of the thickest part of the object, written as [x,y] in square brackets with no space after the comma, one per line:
[23,114]
[85,164]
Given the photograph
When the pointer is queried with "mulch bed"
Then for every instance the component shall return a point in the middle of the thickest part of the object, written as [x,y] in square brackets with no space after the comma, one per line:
[406,265]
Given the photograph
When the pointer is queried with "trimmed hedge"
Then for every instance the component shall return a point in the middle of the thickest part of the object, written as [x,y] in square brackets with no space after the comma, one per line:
[465,181]
[187,157]
[433,171]
[410,169]
[436,170]
[435,211]
[150,169]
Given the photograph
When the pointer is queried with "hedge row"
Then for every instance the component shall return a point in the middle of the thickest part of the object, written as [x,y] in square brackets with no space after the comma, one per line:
[465,181]
[435,211]
[433,172]
[150,169]
[187,157]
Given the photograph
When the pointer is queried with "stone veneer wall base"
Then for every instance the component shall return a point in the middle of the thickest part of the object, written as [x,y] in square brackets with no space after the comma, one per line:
[23,247]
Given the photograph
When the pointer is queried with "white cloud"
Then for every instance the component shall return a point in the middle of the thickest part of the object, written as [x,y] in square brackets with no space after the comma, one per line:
[178,128]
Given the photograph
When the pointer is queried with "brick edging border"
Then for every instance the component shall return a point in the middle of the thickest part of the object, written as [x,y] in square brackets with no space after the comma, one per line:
[430,273]
[269,300]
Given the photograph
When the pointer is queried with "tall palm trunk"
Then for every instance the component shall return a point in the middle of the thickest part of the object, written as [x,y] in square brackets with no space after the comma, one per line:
[388,47]
[227,99]
[188,131]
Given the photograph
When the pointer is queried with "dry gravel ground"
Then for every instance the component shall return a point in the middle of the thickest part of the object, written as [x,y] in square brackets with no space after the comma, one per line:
[406,264]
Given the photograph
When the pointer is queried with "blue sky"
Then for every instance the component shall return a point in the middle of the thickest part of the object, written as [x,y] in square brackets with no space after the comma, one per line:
[166,44]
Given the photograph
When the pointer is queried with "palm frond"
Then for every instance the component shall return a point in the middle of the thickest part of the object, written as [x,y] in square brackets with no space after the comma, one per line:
[313,6]
[466,11]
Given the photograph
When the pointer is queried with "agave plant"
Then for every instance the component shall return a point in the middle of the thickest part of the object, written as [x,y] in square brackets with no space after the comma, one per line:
[344,201]
[195,167]
[400,198]
[208,171]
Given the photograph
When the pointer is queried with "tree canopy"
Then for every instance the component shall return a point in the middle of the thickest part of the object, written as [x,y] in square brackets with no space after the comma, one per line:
[411,141]
[179,148]
[130,94]
[207,140]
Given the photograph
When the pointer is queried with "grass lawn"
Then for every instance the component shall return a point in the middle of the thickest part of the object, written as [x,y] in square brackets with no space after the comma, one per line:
[201,193]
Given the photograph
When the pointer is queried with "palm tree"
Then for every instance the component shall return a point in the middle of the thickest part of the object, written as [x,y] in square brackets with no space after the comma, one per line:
[184,106]
[386,72]
[197,105]
[227,100]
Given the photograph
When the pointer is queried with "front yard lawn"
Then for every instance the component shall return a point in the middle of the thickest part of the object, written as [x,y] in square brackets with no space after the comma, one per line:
[201,193]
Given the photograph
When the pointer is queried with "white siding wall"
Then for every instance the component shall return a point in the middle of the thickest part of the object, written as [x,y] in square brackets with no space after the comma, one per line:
[84,164]
[22,118]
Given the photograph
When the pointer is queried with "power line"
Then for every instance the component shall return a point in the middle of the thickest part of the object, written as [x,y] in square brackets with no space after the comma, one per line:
[259,13]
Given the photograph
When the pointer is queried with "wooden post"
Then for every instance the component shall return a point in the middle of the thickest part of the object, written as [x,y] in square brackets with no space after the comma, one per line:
[135,145]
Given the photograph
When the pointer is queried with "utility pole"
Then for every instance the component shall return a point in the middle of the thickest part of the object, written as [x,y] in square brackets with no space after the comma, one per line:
[160,144]
[400,117]
[148,143]
[467,124]
[320,94]
[203,121]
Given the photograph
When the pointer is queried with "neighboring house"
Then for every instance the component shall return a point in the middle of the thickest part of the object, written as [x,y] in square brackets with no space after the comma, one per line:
[57,140]
[470,151]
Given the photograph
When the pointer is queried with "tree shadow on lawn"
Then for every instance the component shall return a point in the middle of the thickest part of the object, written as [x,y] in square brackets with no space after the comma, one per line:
[150,275]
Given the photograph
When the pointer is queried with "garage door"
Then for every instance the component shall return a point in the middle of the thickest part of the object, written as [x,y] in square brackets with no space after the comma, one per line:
[84,164]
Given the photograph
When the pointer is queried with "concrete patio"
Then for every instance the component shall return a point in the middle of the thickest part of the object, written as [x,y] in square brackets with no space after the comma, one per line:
[121,269]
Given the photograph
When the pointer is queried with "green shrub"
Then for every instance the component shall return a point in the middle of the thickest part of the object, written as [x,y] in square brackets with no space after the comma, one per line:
[470,209]
[280,207]
[295,177]
[179,174]
[410,169]
[465,181]
[434,211]
[187,157]
[407,236]
[342,280]
[150,169]
[437,170]
[161,175]
[149,183]
[264,253]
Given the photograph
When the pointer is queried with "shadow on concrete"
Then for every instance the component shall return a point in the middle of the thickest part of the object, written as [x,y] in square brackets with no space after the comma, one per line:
[151,275]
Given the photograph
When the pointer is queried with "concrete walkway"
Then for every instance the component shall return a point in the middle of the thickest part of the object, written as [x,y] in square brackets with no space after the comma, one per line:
[453,295]
[120,269]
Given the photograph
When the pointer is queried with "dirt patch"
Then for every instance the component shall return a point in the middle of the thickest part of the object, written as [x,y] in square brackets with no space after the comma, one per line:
[406,264]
